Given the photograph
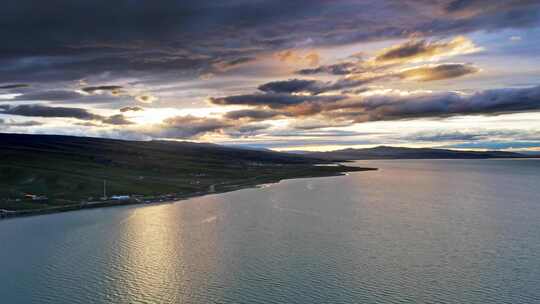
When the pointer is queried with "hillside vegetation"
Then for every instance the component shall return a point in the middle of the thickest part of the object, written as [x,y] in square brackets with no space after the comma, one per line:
[69,170]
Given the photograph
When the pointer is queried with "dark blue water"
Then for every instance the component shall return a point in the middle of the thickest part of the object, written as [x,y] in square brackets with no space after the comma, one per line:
[441,231]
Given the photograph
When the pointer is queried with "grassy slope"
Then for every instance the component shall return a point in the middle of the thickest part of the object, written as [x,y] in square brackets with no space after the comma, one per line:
[72,169]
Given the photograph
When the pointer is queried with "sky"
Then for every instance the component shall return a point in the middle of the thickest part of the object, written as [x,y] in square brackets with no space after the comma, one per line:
[284,75]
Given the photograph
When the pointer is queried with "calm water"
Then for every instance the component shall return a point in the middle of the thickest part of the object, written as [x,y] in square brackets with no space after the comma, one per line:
[460,231]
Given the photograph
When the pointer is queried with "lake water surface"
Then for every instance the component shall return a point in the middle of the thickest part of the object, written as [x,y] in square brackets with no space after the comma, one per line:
[416,231]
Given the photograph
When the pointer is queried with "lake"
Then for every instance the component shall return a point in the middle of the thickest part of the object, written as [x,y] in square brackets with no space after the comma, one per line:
[415,231]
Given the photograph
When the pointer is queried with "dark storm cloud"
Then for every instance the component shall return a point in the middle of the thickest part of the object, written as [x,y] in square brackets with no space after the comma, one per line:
[72,39]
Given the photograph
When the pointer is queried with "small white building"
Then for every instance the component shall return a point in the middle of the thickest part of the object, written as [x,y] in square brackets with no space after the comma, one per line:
[120,197]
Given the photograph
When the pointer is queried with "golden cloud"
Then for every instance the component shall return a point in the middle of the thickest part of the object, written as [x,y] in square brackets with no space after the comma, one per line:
[422,50]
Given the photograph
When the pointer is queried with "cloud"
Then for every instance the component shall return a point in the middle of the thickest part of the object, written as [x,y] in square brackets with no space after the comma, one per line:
[250,114]
[412,51]
[470,8]
[423,50]
[146,98]
[320,123]
[316,87]
[103,88]
[191,126]
[140,48]
[50,95]
[13,123]
[88,124]
[438,72]
[134,109]
[437,105]
[247,130]
[253,127]
[497,145]
[295,57]
[117,90]
[321,133]
[470,135]
[444,136]
[117,119]
[343,110]
[272,100]
[37,110]
[71,97]
[343,68]
[14,86]
[421,73]
[292,86]
[189,37]
[226,65]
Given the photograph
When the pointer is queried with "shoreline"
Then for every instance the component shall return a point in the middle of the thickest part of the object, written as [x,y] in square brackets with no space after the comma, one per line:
[8,214]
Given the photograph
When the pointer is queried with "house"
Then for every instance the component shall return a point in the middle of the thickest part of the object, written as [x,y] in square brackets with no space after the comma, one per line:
[120,197]
[36,198]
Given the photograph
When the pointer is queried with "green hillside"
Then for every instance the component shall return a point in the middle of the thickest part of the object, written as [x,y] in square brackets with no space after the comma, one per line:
[70,170]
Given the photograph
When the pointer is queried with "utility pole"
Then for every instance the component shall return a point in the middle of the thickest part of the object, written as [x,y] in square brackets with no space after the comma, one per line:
[104,189]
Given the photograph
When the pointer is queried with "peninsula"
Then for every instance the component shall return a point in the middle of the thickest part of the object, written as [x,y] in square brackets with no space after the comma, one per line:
[50,173]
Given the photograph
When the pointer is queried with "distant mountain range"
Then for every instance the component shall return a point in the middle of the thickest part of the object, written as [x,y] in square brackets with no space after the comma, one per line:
[386,152]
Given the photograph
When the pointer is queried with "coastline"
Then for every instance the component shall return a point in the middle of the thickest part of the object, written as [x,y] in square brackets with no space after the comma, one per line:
[165,198]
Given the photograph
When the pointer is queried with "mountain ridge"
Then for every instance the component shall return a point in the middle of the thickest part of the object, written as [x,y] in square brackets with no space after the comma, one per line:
[390,152]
